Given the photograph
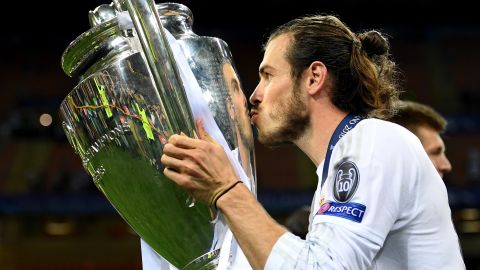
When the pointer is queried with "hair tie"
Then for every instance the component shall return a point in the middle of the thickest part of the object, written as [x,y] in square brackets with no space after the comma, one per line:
[217,196]
[356,43]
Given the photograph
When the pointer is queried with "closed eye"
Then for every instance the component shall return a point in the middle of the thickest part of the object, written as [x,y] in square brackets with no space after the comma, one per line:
[264,74]
[436,151]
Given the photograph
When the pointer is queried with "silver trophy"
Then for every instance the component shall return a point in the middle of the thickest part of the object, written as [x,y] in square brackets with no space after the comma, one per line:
[130,98]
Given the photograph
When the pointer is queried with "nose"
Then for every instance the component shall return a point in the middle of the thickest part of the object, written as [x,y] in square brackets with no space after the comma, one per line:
[444,165]
[255,97]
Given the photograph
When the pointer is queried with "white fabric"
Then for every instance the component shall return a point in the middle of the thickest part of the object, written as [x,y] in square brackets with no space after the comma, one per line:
[406,223]
[151,260]
[231,257]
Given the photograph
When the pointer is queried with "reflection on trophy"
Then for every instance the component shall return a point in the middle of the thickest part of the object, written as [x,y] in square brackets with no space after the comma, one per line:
[130,98]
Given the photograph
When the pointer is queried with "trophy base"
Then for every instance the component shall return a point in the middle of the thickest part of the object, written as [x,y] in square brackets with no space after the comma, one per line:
[208,261]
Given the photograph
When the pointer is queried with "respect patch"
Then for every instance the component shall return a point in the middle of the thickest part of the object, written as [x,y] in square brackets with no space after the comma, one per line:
[349,210]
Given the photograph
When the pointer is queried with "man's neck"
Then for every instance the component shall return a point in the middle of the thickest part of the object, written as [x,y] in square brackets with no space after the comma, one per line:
[315,140]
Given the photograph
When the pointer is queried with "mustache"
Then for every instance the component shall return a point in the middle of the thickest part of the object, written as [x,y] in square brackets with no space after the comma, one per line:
[254,111]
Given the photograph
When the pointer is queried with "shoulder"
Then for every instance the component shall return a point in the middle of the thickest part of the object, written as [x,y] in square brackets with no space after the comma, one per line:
[378,140]
[382,129]
[384,135]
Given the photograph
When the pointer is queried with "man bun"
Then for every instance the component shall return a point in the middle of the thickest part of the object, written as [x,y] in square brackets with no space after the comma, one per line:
[374,43]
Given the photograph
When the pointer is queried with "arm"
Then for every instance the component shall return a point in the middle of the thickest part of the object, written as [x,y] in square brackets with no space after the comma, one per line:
[202,168]
[255,231]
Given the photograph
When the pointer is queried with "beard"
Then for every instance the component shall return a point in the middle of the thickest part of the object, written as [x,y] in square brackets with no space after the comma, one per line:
[292,118]
[246,138]
[244,130]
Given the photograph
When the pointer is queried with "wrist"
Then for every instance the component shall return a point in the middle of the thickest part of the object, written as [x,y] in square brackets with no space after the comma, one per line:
[231,197]
[225,190]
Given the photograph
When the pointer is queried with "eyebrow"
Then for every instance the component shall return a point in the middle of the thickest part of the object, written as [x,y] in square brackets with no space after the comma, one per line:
[262,69]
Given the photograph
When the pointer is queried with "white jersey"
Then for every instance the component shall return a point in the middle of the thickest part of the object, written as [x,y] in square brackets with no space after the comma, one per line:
[382,206]
[232,259]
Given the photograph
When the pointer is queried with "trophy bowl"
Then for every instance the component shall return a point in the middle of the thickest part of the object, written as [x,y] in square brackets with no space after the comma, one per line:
[129,99]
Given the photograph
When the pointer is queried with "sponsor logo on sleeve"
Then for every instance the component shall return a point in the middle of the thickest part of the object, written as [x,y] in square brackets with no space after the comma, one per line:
[350,210]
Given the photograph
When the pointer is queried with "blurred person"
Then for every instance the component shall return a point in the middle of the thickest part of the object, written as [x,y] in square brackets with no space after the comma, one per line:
[423,121]
[379,203]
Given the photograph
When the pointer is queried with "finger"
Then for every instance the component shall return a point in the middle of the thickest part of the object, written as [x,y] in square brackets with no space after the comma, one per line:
[180,179]
[171,162]
[176,177]
[184,167]
[202,132]
[174,151]
[183,141]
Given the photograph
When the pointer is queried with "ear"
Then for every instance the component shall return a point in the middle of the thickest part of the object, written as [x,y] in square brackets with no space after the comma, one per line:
[316,77]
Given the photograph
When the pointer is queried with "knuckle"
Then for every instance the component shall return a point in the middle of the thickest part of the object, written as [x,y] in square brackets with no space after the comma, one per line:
[173,139]
[196,156]
[188,169]
[212,149]
[167,147]
[201,146]
[208,148]
[218,147]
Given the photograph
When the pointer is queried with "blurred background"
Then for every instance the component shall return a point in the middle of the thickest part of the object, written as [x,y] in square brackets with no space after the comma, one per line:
[53,217]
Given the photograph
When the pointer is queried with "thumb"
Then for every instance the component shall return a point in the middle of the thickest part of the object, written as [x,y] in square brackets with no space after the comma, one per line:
[202,133]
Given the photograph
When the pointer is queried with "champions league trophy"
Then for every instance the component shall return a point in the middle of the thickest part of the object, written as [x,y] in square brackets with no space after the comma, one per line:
[132,94]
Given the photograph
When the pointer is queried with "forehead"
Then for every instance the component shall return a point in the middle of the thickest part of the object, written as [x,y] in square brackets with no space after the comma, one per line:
[279,42]
[229,72]
[429,136]
[275,51]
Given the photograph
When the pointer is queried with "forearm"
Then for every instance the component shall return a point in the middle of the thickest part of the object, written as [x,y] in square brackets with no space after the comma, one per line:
[255,231]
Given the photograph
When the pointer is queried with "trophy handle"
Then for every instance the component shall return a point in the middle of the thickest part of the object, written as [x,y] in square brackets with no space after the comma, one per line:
[161,62]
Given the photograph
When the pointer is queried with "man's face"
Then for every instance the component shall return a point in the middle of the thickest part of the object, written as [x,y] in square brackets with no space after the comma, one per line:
[435,148]
[239,112]
[279,108]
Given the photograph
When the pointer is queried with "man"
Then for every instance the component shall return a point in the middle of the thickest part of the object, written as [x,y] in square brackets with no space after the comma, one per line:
[427,124]
[379,204]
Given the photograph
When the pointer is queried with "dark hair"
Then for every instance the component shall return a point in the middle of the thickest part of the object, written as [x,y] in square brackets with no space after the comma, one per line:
[412,114]
[363,75]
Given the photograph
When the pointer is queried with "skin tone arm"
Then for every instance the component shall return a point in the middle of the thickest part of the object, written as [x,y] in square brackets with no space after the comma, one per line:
[199,166]
[254,229]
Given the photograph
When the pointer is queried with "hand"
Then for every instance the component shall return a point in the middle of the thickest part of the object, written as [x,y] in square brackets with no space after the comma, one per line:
[200,166]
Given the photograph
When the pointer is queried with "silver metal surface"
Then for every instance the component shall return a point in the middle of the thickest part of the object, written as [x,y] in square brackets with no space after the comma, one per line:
[127,103]
[212,64]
